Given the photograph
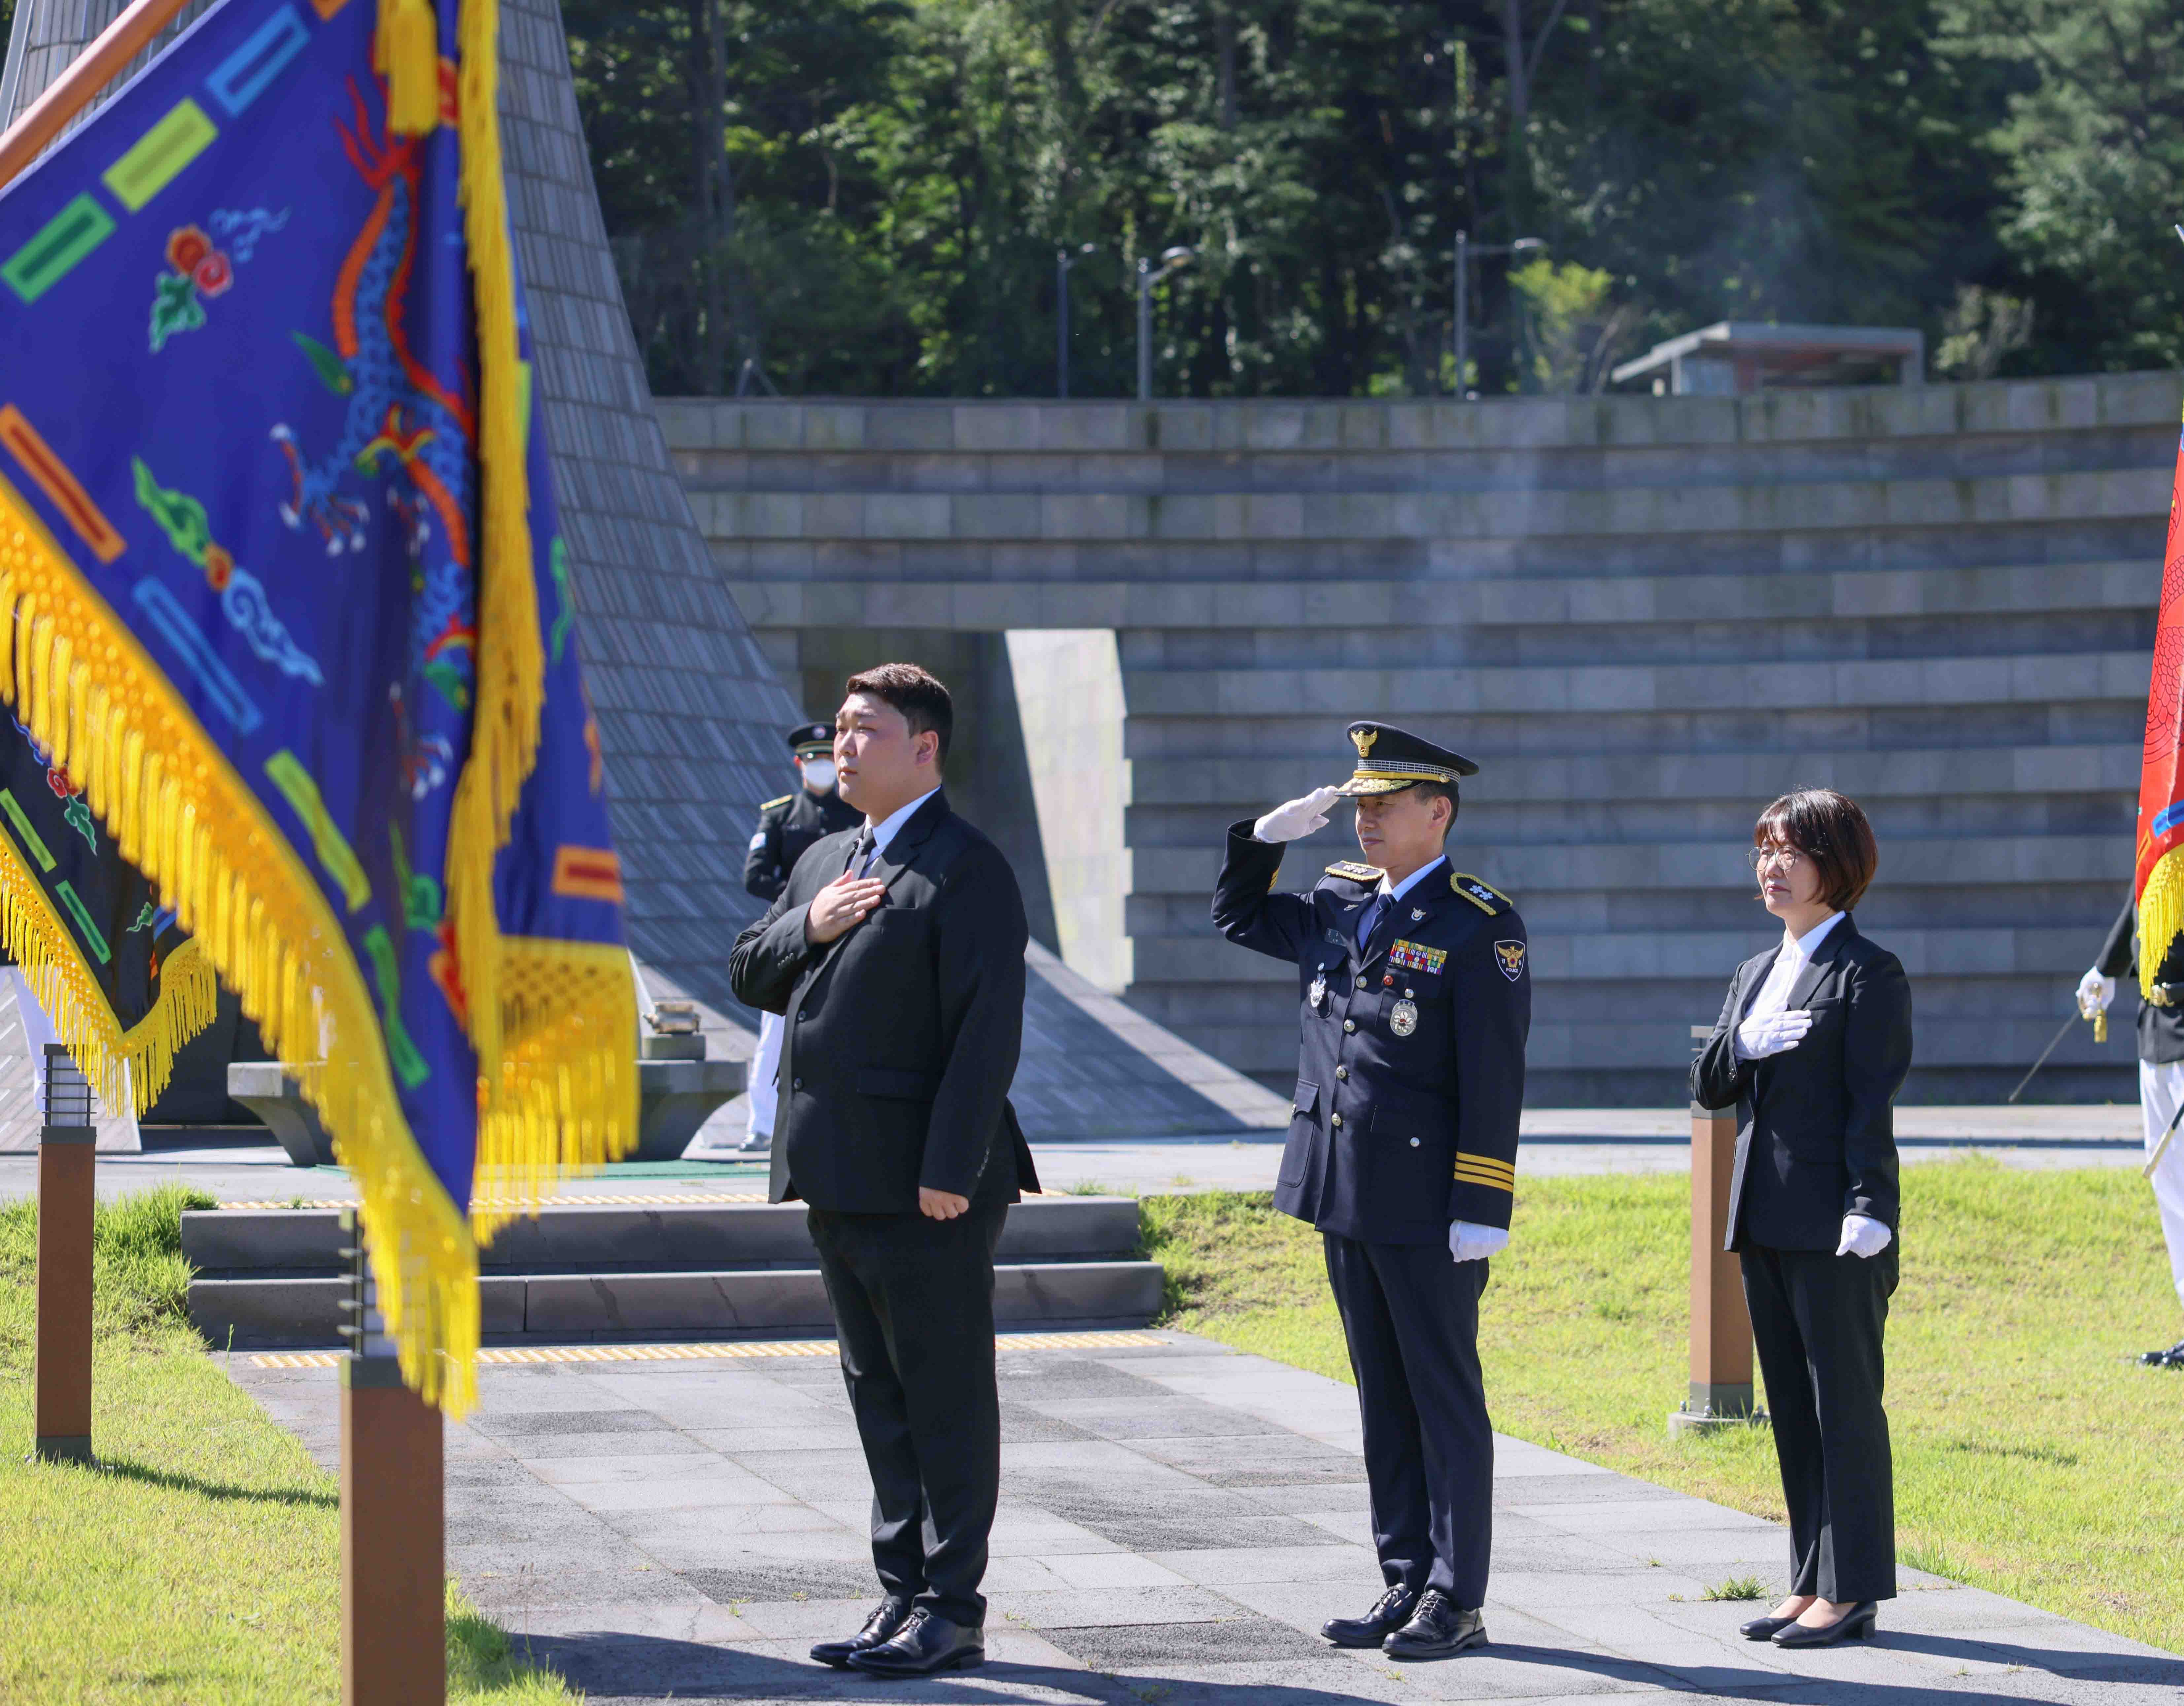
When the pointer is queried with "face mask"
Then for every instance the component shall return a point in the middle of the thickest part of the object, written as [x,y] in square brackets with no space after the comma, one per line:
[819,774]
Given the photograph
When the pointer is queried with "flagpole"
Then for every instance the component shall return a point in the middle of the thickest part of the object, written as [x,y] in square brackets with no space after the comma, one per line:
[79,86]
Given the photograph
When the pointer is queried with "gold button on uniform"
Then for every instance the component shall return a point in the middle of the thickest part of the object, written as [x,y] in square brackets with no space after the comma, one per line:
[1343,1073]
[1414,1142]
[1361,983]
[1337,1119]
[1348,1024]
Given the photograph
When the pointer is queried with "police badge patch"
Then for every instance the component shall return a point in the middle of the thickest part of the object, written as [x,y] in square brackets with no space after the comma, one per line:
[1511,954]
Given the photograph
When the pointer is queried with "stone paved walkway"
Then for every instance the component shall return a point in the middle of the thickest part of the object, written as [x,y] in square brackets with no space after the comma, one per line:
[1176,1519]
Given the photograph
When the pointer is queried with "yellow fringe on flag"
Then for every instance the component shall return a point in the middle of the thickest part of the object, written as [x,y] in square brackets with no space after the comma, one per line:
[405,50]
[37,940]
[554,1023]
[2160,917]
[90,694]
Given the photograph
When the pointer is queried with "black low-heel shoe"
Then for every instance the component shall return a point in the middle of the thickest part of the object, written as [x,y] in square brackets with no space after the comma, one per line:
[1856,1624]
[1764,1628]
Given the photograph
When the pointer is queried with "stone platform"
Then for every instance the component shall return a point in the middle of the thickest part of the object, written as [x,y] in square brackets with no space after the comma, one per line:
[1176,1520]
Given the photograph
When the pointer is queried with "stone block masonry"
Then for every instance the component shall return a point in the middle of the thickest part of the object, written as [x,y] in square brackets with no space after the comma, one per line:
[1644,616]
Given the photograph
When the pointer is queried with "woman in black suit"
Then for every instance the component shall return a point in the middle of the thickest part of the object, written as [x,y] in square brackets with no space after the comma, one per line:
[1811,1046]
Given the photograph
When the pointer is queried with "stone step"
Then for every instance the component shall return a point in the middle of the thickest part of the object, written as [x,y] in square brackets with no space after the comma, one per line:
[711,1236]
[1858,415]
[719,1304]
[1823,588]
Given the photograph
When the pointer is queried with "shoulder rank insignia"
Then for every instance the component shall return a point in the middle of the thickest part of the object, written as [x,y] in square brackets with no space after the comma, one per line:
[782,800]
[1354,871]
[1485,897]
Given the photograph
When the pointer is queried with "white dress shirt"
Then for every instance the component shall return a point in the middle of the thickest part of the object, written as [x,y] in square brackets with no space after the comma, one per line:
[1797,952]
[884,830]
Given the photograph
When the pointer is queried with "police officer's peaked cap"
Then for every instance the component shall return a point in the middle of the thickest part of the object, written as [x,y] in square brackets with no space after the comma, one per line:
[1390,759]
[805,735]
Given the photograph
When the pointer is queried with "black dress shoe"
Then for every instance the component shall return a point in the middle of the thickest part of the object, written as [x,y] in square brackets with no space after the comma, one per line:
[2173,1358]
[1856,1624]
[1439,1627]
[1764,1628]
[882,1623]
[1390,1613]
[924,1644]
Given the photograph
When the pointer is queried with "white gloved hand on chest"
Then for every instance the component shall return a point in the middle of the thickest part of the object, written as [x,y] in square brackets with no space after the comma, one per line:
[1296,818]
[1771,1033]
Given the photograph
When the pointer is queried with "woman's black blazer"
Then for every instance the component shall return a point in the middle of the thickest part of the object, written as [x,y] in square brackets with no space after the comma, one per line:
[1816,1127]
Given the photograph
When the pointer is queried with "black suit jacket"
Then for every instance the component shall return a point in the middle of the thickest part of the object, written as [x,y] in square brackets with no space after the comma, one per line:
[1816,1124]
[2160,1029]
[902,1033]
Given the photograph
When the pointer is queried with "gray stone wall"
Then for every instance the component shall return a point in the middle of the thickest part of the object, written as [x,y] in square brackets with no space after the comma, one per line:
[1645,617]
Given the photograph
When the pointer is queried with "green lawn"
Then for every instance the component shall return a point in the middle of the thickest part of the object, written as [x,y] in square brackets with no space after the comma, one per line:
[199,1563]
[2032,1457]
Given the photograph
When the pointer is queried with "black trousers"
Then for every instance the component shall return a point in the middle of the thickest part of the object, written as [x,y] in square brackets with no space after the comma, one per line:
[1411,1315]
[913,1301]
[1816,1321]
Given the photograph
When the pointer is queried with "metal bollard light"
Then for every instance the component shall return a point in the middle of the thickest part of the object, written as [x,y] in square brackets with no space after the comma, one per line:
[1721,1388]
[67,1154]
[393,1513]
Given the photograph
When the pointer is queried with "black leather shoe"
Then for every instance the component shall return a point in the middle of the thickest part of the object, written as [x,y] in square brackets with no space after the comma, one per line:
[881,1625]
[924,1644]
[1856,1624]
[1439,1627]
[1390,1613]
[1764,1628]
[2173,1358]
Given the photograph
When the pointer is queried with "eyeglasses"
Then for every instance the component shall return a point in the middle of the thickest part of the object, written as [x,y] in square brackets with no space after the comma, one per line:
[1789,859]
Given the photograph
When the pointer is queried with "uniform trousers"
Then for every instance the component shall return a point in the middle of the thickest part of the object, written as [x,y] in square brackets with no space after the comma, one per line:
[913,1301]
[2159,1088]
[765,1071]
[1410,1313]
[1816,1322]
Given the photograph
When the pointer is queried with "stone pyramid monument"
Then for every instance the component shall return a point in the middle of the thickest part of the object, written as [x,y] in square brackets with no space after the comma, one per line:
[690,714]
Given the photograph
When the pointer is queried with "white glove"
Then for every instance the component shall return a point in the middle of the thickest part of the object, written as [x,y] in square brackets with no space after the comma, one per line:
[1864,1236]
[1286,823]
[1470,1243]
[1774,1034]
[2095,992]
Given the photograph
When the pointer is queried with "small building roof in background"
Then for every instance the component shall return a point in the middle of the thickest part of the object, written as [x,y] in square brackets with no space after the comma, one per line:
[1736,358]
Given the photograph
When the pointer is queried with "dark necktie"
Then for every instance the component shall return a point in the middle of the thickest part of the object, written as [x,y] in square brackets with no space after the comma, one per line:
[1371,922]
[860,854]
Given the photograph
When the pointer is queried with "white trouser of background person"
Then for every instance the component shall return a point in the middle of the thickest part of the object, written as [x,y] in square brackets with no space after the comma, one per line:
[765,1065]
[2159,1089]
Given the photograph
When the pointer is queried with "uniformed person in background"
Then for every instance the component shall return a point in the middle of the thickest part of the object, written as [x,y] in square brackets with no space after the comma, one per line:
[1415,999]
[786,828]
[2160,1081]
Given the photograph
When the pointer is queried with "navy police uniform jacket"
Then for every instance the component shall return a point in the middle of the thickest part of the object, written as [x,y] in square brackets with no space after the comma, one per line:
[2160,1027]
[787,829]
[1411,1071]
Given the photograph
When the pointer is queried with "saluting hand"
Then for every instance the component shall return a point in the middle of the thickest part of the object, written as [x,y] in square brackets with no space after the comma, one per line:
[840,906]
[1300,817]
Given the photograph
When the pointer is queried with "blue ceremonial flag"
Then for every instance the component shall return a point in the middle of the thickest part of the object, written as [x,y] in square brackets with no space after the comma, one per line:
[281,570]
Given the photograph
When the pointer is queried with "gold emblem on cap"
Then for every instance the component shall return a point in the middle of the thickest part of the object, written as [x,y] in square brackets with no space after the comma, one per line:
[1364,738]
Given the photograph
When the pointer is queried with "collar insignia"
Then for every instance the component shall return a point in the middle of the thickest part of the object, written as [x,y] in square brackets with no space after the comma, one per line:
[1418,915]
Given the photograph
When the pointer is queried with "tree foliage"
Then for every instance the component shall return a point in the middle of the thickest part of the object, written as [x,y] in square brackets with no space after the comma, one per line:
[868,196]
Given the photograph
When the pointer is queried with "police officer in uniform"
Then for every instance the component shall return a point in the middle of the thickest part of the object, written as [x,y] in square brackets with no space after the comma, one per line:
[786,828]
[1414,1000]
[2160,1081]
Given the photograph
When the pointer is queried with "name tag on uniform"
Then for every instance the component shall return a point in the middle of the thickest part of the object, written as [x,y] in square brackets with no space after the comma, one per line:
[1414,956]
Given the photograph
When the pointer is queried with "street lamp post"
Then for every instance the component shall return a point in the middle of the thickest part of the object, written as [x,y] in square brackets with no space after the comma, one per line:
[1147,278]
[1465,249]
[1063,260]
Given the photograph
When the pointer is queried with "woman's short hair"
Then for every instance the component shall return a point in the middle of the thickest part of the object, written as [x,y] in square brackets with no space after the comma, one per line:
[1830,830]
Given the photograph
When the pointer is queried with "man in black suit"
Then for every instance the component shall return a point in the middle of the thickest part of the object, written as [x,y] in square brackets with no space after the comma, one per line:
[896,956]
[1414,1001]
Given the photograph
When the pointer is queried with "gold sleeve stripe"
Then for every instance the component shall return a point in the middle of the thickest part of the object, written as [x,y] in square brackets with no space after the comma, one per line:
[1484,1170]
[1484,1182]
